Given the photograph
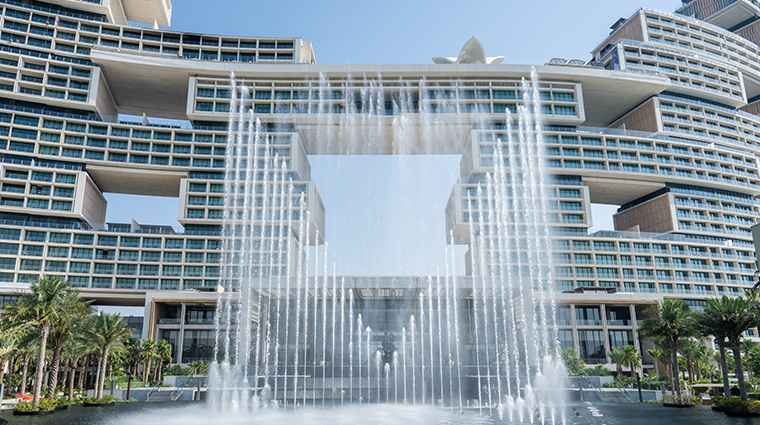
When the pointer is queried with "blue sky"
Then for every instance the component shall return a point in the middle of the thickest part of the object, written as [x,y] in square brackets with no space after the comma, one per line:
[385,214]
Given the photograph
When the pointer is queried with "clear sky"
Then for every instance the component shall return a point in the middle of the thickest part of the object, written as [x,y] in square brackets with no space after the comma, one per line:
[385,214]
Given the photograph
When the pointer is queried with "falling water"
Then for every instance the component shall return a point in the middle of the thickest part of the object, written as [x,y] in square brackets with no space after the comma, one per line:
[273,321]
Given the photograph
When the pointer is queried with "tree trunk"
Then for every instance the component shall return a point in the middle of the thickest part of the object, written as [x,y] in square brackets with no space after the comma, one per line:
[699,370]
[736,349]
[674,364]
[71,379]
[669,373]
[2,372]
[24,374]
[157,369]
[54,367]
[103,361]
[39,376]
[83,372]
[690,367]
[147,371]
[64,375]
[97,376]
[110,375]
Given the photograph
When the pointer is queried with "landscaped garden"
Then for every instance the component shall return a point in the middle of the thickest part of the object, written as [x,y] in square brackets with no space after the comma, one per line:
[56,350]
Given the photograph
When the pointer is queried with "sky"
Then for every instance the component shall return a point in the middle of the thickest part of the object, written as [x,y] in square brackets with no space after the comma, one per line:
[385,214]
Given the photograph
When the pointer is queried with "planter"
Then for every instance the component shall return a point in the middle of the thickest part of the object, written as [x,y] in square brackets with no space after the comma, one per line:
[741,414]
[682,406]
[34,413]
[62,407]
[113,403]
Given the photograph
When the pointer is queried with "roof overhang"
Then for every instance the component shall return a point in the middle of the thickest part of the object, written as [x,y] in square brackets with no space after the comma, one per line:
[148,11]
[135,181]
[157,85]
[124,11]
[733,16]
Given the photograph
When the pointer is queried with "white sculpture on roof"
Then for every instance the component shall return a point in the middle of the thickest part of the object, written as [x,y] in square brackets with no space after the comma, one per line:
[472,53]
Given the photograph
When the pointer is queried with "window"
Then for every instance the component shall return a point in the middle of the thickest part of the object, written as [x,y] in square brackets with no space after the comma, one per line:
[58,251]
[173,257]
[174,243]
[102,268]
[107,240]
[149,270]
[76,267]
[83,239]
[127,269]
[172,270]
[129,255]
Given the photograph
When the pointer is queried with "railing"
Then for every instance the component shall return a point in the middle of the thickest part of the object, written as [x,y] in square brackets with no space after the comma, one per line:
[153,390]
[593,385]
[624,389]
[181,385]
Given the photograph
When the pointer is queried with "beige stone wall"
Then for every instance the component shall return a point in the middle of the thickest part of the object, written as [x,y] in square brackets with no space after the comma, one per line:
[653,216]
[93,202]
[631,30]
[643,118]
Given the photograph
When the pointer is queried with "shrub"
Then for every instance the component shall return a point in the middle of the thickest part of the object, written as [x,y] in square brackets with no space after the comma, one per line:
[61,401]
[94,400]
[598,370]
[683,400]
[44,405]
[178,370]
[25,406]
[736,405]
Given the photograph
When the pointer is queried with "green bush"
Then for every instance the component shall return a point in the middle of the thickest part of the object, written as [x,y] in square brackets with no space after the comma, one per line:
[683,400]
[25,406]
[62,401]
[598,370]
[736,405]
[44,405]
[94,400]
[178,370]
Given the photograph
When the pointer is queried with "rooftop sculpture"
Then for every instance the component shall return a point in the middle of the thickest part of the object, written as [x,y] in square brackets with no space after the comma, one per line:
[472,53]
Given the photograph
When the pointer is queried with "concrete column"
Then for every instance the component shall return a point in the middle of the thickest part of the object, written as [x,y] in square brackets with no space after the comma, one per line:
[576,339]
[181,336]
[636,342]
[603,310]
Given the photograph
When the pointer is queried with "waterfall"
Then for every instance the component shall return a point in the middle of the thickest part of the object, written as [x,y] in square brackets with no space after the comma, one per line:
[273,333]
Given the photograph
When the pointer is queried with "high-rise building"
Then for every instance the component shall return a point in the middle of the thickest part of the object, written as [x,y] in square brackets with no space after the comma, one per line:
[662,121]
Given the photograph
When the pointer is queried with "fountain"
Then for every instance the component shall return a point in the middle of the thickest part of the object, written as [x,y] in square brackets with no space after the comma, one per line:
[288,339]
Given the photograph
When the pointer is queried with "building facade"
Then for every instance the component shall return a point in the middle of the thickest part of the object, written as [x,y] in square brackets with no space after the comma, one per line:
[663,122]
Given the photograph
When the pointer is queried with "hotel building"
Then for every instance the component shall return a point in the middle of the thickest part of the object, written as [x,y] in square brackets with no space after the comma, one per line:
[663,121]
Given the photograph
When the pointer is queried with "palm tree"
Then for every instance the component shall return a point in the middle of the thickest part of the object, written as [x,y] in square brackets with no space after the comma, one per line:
[618,357]
[692,350]
[72,311]
[110,330]
[711,325]
[40,307]
[746,349]
[28,346]
[656,355]
[729,318]
[8,345]
[753,360]
[633,358]
[148,353]
[164,352]
[670,320]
